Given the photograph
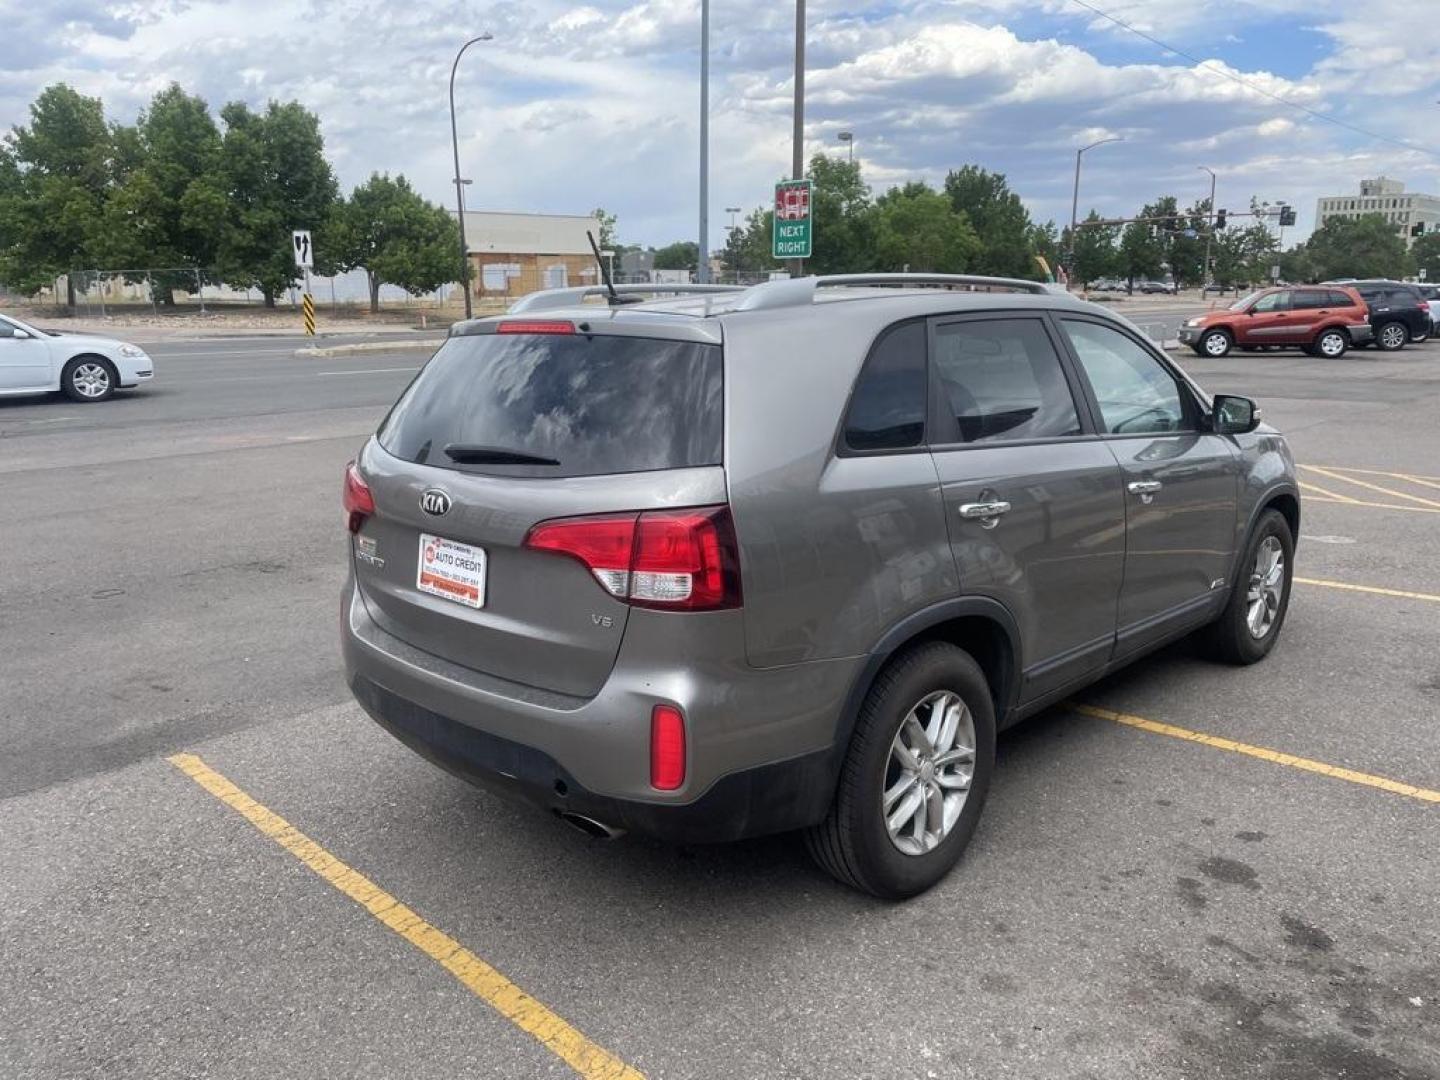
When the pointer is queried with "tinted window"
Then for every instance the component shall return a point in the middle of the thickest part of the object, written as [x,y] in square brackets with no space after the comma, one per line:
[887,410]
[1340,299]
[1135,393]
[1275,301]
[1308,298]
[1003,381]
[594,404]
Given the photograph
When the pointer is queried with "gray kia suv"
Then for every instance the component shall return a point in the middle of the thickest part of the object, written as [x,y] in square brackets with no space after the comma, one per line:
[728,562]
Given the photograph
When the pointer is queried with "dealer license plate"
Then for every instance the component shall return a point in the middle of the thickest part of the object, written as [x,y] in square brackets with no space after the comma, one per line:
[451,569]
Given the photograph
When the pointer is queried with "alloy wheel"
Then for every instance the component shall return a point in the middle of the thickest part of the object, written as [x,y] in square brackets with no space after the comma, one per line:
[1267,587]
[91,380]
[1331,344]
[928,772]
[1393,336]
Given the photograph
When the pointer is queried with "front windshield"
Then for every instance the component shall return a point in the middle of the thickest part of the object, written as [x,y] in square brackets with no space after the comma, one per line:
[1241,305]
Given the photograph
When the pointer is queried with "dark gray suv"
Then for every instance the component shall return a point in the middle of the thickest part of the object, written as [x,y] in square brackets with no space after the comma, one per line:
[732,562]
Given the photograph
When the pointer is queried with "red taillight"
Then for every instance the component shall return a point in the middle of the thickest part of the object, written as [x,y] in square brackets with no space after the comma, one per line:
[535,326]
[667,748]
[675,560]
[359,503]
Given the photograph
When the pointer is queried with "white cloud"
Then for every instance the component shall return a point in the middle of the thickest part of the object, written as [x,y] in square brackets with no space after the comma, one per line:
[594,103]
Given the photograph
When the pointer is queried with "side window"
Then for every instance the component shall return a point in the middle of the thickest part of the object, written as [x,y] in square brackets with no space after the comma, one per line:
[1137,396]
[1340,299]
[1307,299]
[1003,381]
[1275,301]
[887,409]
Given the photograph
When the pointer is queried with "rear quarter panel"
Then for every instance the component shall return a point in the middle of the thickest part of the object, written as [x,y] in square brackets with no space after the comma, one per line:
[833,550]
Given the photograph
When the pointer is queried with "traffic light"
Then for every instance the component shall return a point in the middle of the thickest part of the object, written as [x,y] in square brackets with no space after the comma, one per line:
[1418,229]
[1219,219]
[1287,215]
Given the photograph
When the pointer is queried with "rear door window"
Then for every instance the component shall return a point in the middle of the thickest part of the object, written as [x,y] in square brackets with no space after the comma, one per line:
[1306,299]
[1003,381]
[559,405]
[887,408]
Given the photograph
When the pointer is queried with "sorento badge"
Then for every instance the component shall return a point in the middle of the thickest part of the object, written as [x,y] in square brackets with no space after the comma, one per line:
[434,501]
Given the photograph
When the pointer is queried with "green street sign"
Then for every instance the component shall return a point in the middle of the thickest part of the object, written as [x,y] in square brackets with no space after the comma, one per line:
[792,236]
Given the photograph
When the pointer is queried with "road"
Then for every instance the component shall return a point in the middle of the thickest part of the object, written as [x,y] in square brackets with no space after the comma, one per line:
[1172,900]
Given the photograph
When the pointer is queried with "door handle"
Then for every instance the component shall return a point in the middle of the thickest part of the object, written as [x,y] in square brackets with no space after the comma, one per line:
[987,513]
[1146,489]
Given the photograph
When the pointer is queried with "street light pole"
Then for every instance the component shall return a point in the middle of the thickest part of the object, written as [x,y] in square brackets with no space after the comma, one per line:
[703,269]
[848,138]
[1075,197]
[459,197]
[732,243]
[797,134]
[1210,233]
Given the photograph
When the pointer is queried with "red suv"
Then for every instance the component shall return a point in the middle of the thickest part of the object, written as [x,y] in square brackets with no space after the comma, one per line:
[1324,320]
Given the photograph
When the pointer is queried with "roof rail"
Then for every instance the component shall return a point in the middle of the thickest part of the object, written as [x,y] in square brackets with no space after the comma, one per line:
[547,299]
[795,292]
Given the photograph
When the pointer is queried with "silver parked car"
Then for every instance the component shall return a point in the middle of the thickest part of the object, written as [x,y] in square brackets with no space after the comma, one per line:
[734,562]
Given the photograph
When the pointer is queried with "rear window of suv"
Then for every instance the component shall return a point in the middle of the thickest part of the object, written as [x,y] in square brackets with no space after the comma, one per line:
[502,403]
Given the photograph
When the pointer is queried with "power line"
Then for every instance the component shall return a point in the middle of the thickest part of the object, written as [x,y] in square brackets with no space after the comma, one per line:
[1206,65]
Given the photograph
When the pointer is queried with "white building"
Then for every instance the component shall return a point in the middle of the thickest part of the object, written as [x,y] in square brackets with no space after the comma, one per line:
[1386,197]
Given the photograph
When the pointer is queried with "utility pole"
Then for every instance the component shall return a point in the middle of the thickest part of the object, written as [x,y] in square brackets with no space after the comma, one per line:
[702,271]
[1210,233]
[797,135]
[459,199]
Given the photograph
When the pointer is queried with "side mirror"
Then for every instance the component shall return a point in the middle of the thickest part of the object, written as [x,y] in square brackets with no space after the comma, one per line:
[1235,415]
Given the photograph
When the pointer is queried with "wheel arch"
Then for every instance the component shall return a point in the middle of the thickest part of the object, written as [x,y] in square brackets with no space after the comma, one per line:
[983,627]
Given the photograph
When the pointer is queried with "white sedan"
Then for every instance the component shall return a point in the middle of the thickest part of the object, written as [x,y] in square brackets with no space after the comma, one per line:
[85,368]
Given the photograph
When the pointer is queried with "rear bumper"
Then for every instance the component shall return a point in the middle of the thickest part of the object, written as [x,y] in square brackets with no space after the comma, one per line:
[767,799]
[760,743]
[1360,333]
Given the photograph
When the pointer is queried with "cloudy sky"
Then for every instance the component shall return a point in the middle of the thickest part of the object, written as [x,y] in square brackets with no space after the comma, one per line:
[584,103]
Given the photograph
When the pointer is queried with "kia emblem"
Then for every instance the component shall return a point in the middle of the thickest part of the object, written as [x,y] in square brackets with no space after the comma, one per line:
[434,502]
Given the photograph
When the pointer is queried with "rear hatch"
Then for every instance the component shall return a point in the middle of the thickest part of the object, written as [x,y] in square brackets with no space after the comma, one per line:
[503,430]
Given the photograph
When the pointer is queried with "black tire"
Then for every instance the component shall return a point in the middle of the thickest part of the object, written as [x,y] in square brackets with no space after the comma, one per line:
[1391,336]
[88,379]
[1229,637]
[1330,344]
[852,843]
[1210,346]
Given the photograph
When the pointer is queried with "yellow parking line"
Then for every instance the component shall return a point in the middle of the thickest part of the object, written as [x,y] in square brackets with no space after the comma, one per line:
[1373,487]
[1336,772]
[482,980]
[1375,589]
[1335,495]
[1427,481]
[1372,505]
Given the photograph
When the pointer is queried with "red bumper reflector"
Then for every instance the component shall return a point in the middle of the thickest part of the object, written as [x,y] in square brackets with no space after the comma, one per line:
[667,748]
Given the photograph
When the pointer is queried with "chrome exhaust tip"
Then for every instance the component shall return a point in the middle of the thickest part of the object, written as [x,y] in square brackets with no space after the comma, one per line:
[596,830]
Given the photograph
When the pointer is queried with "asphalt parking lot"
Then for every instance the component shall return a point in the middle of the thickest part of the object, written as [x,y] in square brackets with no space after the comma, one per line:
[212,864]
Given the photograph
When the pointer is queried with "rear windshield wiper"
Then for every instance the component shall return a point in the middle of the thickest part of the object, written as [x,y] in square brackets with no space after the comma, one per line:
[475,454]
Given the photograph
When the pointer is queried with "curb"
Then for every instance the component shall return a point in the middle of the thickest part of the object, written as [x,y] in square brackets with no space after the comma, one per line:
[368,347]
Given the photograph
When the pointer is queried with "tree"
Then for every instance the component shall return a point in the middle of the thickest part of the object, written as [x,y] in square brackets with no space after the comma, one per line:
[918,230]
[1242,256]
[57,173]
[276,179]
[1361,247]
[1142,252]
[168,206]
[682,255]
[606,239]
[999,220]
[842,218]
[1093,249]
[1426,253]
[748,249]
[395,236]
